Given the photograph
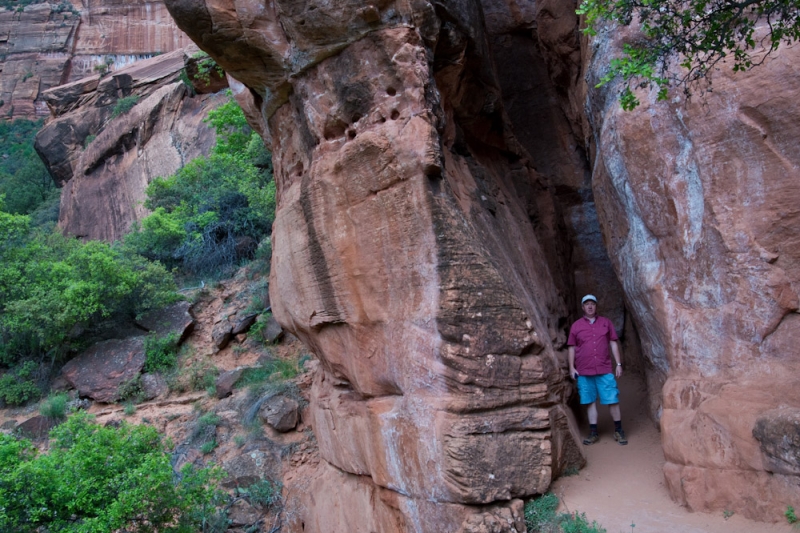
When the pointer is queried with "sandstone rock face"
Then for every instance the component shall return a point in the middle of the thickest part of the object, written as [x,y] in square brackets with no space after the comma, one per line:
[416,250]
[698,204]
[98,372]
[49,44]
[105,163]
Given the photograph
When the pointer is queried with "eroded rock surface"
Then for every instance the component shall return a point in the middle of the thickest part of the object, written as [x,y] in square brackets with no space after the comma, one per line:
[105,162]
[698,204]
[48,44]
[416,250]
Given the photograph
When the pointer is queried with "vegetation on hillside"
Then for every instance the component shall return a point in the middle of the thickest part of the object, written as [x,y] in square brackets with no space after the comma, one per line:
[24,180]
[698,35]
[215,211]
[54,289]
[97,479]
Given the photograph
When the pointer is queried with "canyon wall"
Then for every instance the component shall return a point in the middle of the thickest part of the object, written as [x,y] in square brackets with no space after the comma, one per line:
[104,159]
[44,45]
[698,204]
[417,249]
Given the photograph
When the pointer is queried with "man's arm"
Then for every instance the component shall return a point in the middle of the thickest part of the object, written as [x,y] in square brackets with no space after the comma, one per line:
[572,370]
[617,359]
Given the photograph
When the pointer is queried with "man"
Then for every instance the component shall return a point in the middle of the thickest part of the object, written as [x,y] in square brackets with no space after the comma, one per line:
[590,365]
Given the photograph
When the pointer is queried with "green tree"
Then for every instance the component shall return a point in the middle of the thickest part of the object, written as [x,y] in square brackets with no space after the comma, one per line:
[98,479]
[51,286]
[205,212]
[699,34]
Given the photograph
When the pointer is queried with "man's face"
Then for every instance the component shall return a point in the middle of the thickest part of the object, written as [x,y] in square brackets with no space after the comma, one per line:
[590,308]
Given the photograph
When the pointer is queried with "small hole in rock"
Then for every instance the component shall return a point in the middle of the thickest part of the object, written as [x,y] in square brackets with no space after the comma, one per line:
[356,118]
[395,114]
[391,91]
[351,134]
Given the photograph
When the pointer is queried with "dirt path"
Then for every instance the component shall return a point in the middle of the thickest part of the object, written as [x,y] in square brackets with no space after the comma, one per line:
[624,485]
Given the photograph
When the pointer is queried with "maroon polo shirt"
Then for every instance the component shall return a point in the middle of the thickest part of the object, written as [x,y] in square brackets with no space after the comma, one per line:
[592,356]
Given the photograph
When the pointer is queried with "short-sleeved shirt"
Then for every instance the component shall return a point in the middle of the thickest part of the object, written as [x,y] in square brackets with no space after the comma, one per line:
[592,356]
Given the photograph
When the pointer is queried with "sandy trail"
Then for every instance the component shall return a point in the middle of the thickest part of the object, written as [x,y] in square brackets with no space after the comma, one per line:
[622,487]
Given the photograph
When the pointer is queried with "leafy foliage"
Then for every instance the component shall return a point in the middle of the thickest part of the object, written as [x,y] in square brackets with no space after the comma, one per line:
[790,515]
[51,287]
[124,105]
[97,479]
[263,493]
[699,32]
[18,385]
[205,215]
[206,66]
[55,406]
[161,352]
[541,517]
[24,180]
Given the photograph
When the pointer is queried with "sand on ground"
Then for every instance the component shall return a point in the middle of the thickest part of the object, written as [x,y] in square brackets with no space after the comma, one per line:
[623,487]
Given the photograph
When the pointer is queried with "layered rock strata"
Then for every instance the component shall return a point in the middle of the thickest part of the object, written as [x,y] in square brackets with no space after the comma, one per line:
[104,161]
[698,204]
[48,44]
[416,250]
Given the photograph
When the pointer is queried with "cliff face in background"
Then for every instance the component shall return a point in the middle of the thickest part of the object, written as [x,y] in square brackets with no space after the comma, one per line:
[49,44]
[105,162]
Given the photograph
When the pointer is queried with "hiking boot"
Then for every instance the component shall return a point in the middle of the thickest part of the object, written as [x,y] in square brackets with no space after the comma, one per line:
[591,439]
[619,436]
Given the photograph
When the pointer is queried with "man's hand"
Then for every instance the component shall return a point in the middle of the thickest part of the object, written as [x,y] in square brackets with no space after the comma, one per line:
[573,373]
[618,371]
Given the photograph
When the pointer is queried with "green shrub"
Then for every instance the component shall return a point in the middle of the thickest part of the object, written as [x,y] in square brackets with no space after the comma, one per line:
[18,385]
[213,212]
[131,391]
[206,66]
[24,180]
[88,140]
[208,447]
[98,479]
[130,409]
[264,493]
[161,352]
[124,105]
[790,515]
[55,406]
[541,512]
[52,286]
[578,523]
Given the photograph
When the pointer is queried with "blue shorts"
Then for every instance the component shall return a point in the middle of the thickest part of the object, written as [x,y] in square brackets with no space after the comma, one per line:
[604,385]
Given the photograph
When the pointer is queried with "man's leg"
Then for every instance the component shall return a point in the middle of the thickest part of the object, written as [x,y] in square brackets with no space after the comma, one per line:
[619,435]
[591,412]
[616,416]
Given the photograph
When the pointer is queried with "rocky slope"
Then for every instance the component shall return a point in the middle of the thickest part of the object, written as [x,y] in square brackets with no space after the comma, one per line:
[438,166]
[47,44]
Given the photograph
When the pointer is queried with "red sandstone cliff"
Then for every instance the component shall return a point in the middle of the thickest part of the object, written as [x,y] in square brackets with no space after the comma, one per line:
[49,44]
[105,162]
[447,183]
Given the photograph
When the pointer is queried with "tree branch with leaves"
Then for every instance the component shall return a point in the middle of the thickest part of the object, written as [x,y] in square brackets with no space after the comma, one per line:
[697,34]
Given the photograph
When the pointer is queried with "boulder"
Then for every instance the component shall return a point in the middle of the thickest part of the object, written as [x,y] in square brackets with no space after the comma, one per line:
[244,323]
[36,428]
[153,386]
[272,332]
[98,372]
[221,334]
[242,513]
[280,413]
[257,460]
[176,318]
[226,381]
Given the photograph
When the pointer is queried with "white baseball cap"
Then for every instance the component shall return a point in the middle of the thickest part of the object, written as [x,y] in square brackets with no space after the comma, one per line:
[588,297]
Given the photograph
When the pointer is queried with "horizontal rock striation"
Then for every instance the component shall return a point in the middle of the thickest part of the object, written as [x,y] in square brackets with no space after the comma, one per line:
[46,44]
[415,249]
